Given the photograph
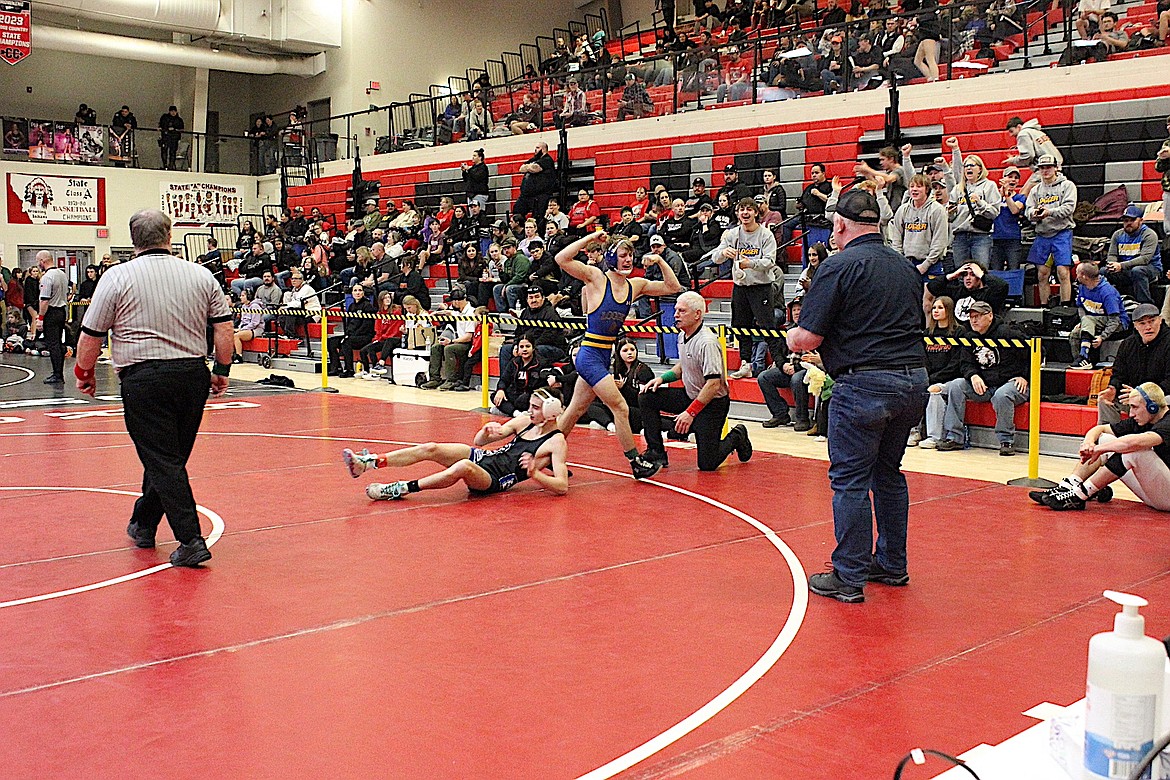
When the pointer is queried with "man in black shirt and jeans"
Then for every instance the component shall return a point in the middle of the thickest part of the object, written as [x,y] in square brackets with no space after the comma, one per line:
[863,311]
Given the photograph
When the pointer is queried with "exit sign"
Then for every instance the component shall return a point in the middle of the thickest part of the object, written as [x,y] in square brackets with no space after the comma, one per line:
[103,232]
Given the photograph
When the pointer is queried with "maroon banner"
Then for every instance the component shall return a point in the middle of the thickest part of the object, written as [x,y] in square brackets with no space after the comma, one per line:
[15,32]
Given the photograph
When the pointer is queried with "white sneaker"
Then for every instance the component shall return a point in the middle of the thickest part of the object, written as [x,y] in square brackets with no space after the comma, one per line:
[928,444]
[379,370]
[596,426]
[493,409]
[359,462]
[914,440]
[743,372]
[821,438]
[386,492]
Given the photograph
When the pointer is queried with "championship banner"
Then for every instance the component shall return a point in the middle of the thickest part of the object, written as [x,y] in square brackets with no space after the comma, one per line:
[15,31]
[56,200]
[200,203]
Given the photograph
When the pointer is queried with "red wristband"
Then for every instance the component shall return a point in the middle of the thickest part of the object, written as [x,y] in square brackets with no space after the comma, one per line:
[695,407]
[82,373]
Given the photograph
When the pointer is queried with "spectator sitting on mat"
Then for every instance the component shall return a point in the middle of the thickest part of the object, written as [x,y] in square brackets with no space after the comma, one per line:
[1102,314]
[1135,450]
[994,373]
[1144,356]
[1135,256]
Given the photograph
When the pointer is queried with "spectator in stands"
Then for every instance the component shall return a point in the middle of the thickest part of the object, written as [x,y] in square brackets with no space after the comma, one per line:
[920,230]
[584,215]
[944,364]
[676,229]
[523,373]
[516,265]
[1102,314]
[249,324]
[475,179]
[866,63]
[544,271]
[735,189]
[724,214]
[387,338]
[251,269]
[372,218]
[527,117]
[629,229]
[1135,256]
[812,207]
[775,193]
[574,111]
[554,215]
[788,373]
[1162,166]
[835,63]
[641,203]
[550,342]
[359,332]
[751,248]
[268,293]
[302,296]
[170,130]
[994,373]
[451,351]
[1110,40]
[471,267]
[1089,13]
[970,283]
[892,175]
[85,115]
[875,187]
[559,58]
[407,220]
[771,220]
[478,122]
[929,34]
[1144,356]
[817,254]
[635,101]
[1006,249]
[531,233]
[539,183]
[890,41]
[411,284]
[736,83]
[697,198]
[1050,208]
[659,248]
[248,236]
[1031,144]
[975,203]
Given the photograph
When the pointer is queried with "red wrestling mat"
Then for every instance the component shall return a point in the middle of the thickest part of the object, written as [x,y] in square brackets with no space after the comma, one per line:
[519,636]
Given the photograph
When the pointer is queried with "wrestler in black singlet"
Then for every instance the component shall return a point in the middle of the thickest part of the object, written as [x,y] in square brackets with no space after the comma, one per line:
[503,463]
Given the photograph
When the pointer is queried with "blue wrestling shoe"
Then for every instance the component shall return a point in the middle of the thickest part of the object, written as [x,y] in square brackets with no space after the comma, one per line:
[358,462]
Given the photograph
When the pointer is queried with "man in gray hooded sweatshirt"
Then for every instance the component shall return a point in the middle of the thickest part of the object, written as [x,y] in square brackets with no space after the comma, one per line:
[1032,143]
[1050,207]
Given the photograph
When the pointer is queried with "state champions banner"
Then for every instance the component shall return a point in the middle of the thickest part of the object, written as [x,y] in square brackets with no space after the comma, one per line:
[56,200]
[15,31]
[201,203]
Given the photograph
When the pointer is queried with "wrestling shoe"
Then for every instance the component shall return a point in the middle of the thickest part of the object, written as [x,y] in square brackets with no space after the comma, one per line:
[642,468]
[656,456]
[359,462]
[828,584]
[142,538]
[744,448]
[880,574]
[1062,499]
[191,554]
[387,492]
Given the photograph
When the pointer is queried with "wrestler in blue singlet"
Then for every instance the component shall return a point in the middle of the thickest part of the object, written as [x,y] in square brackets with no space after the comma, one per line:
[603,325]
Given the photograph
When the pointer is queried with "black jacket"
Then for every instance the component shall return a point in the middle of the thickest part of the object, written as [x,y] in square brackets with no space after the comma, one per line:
[518,379]
[417,286]
[996,365]
[1137,362]
[475,180]
[944,362]
[360,330]
[254,265]
[553,337]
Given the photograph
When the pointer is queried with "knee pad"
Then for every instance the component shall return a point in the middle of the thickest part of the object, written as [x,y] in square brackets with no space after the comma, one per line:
[1115,464]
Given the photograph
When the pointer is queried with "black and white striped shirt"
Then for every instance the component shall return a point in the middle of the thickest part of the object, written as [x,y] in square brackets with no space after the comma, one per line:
[157,307]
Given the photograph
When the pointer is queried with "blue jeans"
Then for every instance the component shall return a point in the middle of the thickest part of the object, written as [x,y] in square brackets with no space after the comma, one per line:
[509,294]
[770,382]
[1004,399]
[869,421]
[1006,254]
[970,246]
[1137,279]
[250,284]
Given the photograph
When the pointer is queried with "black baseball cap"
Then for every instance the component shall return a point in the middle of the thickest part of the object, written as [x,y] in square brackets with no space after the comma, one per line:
[859,206]
[699,180]
[535,290]
[729,168]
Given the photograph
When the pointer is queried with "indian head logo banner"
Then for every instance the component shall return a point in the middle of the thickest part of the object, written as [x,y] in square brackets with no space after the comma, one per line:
[56,200]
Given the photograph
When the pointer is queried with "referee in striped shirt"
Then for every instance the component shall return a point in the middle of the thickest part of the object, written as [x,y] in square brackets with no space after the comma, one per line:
[157,308]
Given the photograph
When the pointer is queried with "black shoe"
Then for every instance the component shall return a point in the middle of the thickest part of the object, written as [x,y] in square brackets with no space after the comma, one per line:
[744,448]
[642,468]
[1061,498]
[192,553]
[830,585]
[459,387]
[347,374]
[1039,495]
[802,426]
[674,435]
[1006,448]
[777,421]
[656,456]
[948,445]
[880,574]
[142,538]
[237,359]
[54,380]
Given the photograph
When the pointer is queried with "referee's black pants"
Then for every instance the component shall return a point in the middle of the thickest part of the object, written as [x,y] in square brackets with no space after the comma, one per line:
[163,402]
[707,427]
[53,331]
[752,307]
